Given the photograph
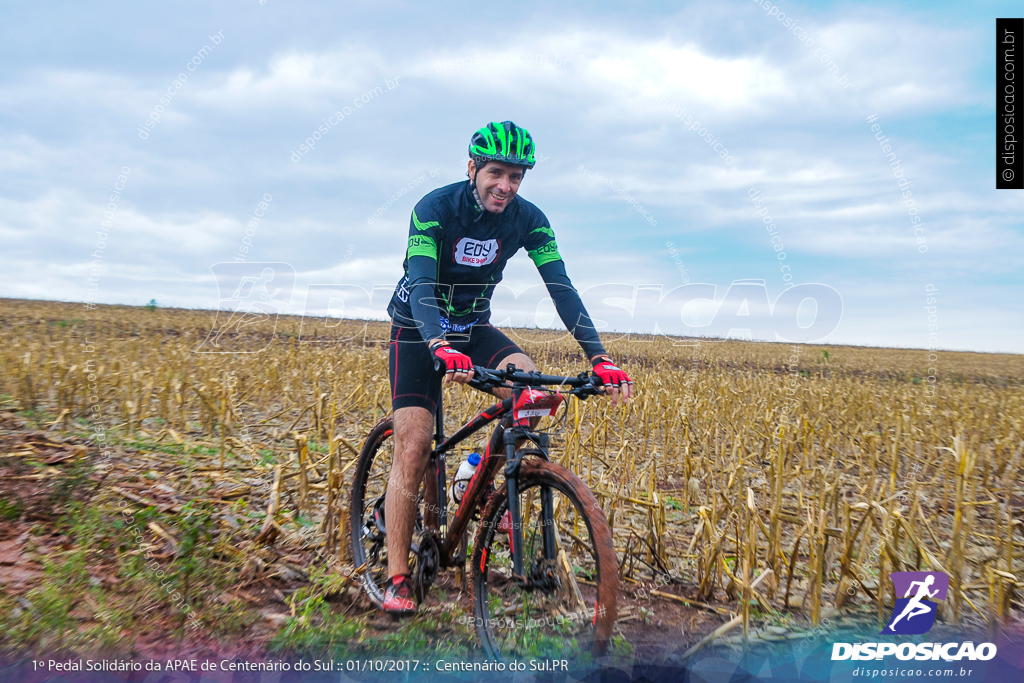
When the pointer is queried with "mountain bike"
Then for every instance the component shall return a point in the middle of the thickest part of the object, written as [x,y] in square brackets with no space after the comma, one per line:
[544,570]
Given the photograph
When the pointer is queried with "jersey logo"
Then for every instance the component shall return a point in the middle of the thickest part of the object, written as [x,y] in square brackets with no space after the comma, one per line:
[448,326]
[470,252]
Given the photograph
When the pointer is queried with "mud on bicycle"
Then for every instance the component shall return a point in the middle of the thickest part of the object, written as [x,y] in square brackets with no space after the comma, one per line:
[542,554]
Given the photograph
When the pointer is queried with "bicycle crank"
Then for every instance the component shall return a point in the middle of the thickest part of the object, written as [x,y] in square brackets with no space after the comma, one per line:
[428,562]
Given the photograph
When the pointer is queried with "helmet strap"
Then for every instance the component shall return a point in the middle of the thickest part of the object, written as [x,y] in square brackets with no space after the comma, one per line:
[476,196]
[480,211]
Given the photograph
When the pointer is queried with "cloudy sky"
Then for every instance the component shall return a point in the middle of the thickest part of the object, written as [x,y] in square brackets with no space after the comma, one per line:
[603,87]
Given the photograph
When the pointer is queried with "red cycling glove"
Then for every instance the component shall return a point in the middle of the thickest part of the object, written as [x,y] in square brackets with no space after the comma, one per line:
[609,372]
[453,360]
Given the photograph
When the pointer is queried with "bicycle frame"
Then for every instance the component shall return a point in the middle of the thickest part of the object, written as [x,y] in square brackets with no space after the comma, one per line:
[501,447]
[540,566]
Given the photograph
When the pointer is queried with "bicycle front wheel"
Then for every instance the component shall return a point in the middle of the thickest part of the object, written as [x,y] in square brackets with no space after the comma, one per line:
[567,604]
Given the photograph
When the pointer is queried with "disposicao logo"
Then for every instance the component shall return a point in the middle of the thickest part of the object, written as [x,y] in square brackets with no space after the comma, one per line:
[914,614]
[949,652]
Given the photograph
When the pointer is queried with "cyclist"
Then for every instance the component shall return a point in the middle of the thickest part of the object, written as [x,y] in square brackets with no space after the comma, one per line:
[460,238]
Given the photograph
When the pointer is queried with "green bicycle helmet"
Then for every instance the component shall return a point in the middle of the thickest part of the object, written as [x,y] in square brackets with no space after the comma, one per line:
[503,141]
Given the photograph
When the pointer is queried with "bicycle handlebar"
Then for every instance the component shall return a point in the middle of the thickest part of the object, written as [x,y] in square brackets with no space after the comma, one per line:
[486,378]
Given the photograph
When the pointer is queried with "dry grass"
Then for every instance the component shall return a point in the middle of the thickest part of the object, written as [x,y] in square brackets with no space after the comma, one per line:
[830,465]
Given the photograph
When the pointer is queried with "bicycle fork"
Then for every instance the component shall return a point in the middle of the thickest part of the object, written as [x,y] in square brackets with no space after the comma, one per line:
[512,462]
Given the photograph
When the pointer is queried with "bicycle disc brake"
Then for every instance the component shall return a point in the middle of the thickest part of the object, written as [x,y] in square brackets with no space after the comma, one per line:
[428,562]
[544,576]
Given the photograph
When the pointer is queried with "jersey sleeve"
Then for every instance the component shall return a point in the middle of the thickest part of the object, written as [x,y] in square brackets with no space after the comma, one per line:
[542,248]
[540,241]
[425,236]
[425,232]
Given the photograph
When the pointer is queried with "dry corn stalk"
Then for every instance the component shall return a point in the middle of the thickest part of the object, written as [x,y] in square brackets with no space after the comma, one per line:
[709,421]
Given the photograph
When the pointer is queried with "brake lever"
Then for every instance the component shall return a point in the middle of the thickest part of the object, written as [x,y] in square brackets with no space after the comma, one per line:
[586,391]
[483,379]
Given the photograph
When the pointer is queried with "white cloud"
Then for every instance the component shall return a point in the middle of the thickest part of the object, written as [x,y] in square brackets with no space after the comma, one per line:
[588,91]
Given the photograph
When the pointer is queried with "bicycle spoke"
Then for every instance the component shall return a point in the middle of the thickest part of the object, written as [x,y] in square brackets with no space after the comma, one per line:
[552,613]
[369,542]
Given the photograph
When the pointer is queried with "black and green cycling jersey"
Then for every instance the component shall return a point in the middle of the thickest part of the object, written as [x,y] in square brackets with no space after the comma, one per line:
[456,254]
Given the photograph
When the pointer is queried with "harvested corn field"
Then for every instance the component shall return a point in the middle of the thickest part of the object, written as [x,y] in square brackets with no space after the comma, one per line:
[195,483]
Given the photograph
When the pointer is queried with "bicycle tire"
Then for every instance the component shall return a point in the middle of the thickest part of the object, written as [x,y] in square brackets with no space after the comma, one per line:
[360,507]
[511,642]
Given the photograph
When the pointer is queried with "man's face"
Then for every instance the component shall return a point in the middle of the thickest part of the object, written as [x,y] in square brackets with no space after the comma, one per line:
[496,183]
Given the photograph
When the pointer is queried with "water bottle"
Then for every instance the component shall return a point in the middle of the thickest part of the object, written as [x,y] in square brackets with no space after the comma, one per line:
[462,477]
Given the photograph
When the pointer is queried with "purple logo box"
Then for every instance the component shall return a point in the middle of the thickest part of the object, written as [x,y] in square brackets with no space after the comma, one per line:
[901,582]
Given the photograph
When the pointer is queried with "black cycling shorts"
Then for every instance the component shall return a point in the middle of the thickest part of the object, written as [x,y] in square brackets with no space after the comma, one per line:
[414,382]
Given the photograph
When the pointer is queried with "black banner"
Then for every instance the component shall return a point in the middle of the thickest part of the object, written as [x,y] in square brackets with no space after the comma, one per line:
[1009,134]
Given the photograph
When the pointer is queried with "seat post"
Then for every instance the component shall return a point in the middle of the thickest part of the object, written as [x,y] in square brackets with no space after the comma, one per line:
[439,421]
[437,462]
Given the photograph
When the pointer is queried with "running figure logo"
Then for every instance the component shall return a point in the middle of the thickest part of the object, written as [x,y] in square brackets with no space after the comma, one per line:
[250,297]
[914,612]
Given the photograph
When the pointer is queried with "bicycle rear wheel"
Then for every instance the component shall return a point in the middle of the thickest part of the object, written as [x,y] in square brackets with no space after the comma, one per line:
[570,606]
[368,539]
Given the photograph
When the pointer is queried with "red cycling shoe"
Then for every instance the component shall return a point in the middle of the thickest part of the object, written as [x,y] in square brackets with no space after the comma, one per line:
[398,597]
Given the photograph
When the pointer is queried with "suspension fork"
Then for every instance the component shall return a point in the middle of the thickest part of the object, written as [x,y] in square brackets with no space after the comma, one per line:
[548,522]
[513,460]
